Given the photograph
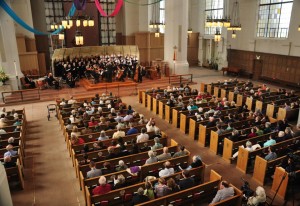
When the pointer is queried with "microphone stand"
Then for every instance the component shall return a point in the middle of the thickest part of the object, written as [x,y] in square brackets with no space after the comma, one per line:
[17,77]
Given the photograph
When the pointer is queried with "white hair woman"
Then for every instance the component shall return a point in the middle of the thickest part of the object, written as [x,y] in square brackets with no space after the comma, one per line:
[103,188]
[259,198]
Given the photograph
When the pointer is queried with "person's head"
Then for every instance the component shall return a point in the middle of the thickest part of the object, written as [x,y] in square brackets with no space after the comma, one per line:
[75,129]
[157,131]
[156,140]
[165,149]
[121,140]
[148,185]
[267,124]
[143,130]
[288,130]
[182,148]
[121,163]
[121,178]
[281,134]
[260,191]
[161,181]
[167,164]
[102,180]
[151,154]
[196,158]
[224,184]
[11,140]
[140,191]
[92,164]
[171,183]
[110,149]
[248,144]
[118,127]
[7,158]
[112,110]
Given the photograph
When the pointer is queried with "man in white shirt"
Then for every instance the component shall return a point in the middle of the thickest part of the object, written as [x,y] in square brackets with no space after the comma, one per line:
[143,137]
[167,170]
[151,126]
[72,101]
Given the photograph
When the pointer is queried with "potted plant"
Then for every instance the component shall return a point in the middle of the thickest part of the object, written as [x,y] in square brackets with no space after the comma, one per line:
[3,77]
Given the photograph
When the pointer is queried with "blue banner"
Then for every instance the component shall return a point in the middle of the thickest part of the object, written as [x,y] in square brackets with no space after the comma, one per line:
[17,19]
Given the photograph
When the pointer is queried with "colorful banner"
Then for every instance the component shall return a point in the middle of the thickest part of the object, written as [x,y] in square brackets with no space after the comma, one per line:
[80,4]
[18,20]
[114,13]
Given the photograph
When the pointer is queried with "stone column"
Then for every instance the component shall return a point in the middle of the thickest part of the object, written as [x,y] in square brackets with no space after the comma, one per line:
[176,35]
[9,49]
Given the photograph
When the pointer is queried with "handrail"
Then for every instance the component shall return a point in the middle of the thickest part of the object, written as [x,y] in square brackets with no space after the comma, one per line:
[181,78]
[21,93]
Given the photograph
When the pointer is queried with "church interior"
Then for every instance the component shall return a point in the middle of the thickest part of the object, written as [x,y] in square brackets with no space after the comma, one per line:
[149,102]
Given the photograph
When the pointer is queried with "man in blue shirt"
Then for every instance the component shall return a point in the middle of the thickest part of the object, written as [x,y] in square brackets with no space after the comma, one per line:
[132,130]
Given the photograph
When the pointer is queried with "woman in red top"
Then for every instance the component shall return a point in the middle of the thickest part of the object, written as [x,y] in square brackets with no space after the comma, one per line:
[103,188]
[93,122]
[76,141]
[252,133]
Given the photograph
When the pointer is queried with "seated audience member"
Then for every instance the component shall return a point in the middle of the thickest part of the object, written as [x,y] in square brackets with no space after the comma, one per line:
[182,151]
[168,170]
[119,117]
[142,119]
[156,145]
[69,125]
[288,133]
[135,148]
[143,137]
[106,169]
[10,151]
[72,100]
[11,141]
[270,142]
[121,166]
[119,182]
[197,162]
[172,186]
[103,136]
[280,137]
[152,158]
[151,126]
[2,131]
[93,122]
[8,163]
[223,193]
[187,181]
[128,117]
[259,198]
[76,141]
[160,188]
[94,172]
[139,197]
[249,147]
[149,191]
[75,131]
[98,146]
[271,154]
[165,155]
[118,133]
[111,153]
[3,123]
[103,187]
[211,122]
[132,130]
[267,128]
[157,134]
[134,170]
[51,81]
[252,133]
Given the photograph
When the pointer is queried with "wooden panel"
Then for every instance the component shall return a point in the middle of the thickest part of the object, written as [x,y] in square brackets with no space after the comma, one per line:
[214,142]
[168,111]
[260,168]
[161,109]
[192,128]
[183,119]
[227,150]
[270,110]
[42,63]
[149,102]
[280,177]
[202,135]
[154,106]
[30,45]
[242,160]
[21,44]
[175,114]
[28,61]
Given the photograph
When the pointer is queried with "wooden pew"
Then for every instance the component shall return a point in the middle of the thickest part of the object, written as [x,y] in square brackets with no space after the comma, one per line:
[261,167]
[194,194]
[235,200]
[144,99]
[230,146]
[245,155]
[16,171]
[149,102]
[140,96]
[289,115]
[281,178]
[114,197]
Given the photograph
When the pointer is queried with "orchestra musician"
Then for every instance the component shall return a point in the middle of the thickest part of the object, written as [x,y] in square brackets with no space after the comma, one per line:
[52,81]
[70,80]
[120,74]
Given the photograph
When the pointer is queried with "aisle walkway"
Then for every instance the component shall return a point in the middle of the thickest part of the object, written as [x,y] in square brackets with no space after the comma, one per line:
[49,174]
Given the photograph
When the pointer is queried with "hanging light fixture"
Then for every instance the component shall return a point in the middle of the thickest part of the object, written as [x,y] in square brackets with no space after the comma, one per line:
[190,30]
[299,28]
[154,21]
[218,35]
[221,21]
[91,22]
[233,35]
[157,34]
[78,38]
[235,24]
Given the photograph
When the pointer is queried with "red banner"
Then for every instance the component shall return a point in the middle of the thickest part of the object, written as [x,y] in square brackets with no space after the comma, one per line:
[114,13]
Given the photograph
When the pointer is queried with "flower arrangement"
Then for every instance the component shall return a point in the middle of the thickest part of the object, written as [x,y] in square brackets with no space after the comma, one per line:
[3,77]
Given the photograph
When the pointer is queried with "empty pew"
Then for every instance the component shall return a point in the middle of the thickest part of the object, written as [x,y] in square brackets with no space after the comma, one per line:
[261,167]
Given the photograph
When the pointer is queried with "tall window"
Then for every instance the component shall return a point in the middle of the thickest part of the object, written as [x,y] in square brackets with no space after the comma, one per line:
[213,9]
[107,25]
[162,15]
[274,18]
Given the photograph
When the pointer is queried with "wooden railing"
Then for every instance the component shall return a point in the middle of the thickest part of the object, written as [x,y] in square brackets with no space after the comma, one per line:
[179,79]
[21,95]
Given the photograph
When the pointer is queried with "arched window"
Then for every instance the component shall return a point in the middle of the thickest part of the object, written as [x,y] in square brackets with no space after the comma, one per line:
[214,10]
